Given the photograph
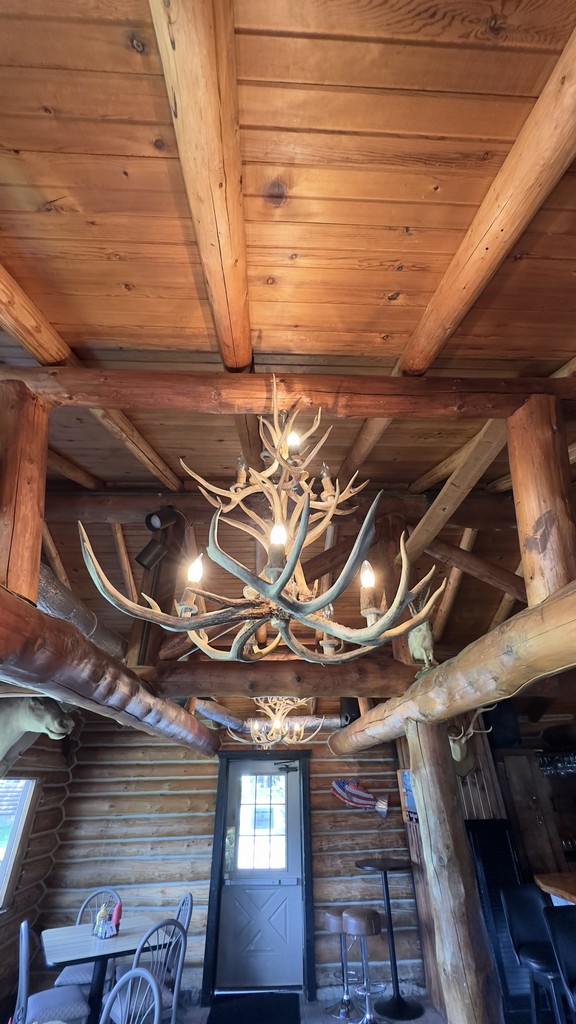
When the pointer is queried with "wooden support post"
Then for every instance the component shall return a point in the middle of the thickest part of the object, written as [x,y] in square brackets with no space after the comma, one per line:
[24,440]
[541,484]
[468,976]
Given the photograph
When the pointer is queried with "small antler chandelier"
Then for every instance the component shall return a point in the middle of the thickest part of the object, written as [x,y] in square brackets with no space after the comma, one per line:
[297,516]
[278,727]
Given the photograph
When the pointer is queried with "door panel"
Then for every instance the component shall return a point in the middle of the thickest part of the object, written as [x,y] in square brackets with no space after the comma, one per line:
[261,930]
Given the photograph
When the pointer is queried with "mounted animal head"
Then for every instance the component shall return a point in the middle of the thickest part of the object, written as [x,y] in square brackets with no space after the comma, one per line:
[22,719]
[420,640]
[458,739]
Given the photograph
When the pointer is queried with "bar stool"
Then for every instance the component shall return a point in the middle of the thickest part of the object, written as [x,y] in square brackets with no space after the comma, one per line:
[396,1007]
[361,922]
[344,1009]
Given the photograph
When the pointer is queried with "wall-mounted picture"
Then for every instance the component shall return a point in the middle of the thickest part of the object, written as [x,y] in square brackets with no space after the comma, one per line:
[409,812]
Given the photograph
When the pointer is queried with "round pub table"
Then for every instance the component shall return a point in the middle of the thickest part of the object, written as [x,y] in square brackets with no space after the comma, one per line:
[396,1007]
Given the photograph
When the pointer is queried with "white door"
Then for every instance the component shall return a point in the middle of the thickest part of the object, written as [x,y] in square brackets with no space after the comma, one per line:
[261,933]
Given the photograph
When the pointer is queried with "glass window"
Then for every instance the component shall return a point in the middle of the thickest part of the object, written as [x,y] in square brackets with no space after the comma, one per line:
[262,823]
[15,808]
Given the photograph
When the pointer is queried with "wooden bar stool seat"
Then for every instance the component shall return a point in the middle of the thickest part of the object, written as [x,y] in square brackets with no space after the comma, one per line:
[361,922]
[344,1009]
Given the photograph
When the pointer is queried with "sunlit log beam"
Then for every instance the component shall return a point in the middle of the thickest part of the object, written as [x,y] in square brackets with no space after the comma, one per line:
[450,554]
[544,149]
[197,49]
[49,655]
[250,393]
[532,645]
[368,677]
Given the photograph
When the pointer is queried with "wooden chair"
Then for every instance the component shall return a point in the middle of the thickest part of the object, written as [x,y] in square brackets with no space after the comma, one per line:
[135,999]
[66,1004]
[81,974]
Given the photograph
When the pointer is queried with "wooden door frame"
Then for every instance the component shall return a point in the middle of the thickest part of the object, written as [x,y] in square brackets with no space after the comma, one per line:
[212,924]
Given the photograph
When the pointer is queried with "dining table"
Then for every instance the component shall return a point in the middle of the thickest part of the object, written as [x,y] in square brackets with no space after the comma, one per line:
[76,944]
[560,883]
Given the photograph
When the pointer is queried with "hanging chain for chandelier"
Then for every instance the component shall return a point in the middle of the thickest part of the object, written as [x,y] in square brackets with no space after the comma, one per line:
[280,594]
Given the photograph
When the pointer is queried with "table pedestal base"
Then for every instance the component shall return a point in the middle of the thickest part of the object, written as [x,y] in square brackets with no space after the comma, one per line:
[398,1008]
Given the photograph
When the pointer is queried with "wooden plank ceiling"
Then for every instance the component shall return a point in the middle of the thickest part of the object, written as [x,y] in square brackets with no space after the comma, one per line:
[368,138]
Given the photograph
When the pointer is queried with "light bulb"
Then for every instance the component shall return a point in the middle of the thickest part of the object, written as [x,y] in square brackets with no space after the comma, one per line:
[278,534]
[293,442]
[367,578]
[325,471]
[195,570]
[241,463]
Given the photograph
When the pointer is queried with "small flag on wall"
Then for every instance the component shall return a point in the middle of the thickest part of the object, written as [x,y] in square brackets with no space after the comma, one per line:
[354,795]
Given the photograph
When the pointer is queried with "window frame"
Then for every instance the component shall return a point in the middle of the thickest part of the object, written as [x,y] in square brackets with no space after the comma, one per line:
[11,864]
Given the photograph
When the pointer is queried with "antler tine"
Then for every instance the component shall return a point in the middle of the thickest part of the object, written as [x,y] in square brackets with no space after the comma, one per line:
[313,428]
[325,521]
[309,458]
[307,654]
[208,486]
[416,620]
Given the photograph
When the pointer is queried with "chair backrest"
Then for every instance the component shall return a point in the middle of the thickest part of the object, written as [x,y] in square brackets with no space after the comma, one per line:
[524,911]
[561,924]
[135,999]
[161,950]
[19,1015]
[93,902]
[184,911]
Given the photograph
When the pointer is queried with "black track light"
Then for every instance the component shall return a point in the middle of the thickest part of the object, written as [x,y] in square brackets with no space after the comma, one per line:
[150,555]
[162,518]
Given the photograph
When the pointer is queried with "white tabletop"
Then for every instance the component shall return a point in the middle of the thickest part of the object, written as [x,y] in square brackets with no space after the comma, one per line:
[75,944]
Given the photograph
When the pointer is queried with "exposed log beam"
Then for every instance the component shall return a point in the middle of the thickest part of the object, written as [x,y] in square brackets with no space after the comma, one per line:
[24,444]
[453,581]
[131,509]
[534,644]
[366,439]
[47,654]
[343,396]
[504,609]
[544,149]
[21,318]
[488,443]
[494,575]
[196,43]
[369,677]
[58,463]
[541,478]
[444,469]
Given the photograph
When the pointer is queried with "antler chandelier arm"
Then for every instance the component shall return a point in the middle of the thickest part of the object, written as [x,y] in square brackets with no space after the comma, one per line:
[307,654]
[237,651]
[173,623]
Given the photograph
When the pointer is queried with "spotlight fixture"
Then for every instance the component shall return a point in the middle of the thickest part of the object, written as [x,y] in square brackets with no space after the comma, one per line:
[162,518]
[150,555]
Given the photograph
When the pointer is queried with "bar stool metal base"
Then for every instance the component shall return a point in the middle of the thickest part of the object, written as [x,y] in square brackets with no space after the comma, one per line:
[398,1008]
[345,1009]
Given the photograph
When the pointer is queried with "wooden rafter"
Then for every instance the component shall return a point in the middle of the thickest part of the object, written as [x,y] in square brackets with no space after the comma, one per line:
[504,609]
[448,598]
[544,149]
[494,575]
[340,395]
[124,562]
[58,463]
[24,321]
[504,483]
[196,43]
[52,555]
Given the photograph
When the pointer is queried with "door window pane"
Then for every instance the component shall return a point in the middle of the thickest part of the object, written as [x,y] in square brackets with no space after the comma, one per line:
[262,823]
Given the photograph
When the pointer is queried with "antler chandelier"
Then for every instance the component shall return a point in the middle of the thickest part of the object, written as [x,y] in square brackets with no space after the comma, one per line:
[297,516]
[278,727]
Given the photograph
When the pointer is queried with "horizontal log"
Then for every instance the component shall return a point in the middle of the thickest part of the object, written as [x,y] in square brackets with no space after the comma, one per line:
[48,654]
[363,887]
[532,645]
[88,874]
[152,849]
[244,394]
[179,826]
[369,677]
[108,806]
[101,771]
[487,572]
[327,947]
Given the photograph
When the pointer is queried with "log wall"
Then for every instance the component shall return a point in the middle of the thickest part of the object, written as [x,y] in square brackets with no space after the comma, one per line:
[140,815]
[45,761]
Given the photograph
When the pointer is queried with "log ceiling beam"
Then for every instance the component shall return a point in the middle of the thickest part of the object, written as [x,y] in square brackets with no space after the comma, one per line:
[130,509]
[58,463]
[49,655]
[367,677]
[504,609]
[52,556]
[504,483]
[24,321]
[453,581]
[532,645]
[443,470]
[465,561]
[544,149]
[248,393]
[248,429]
[197,49]
[488,443]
